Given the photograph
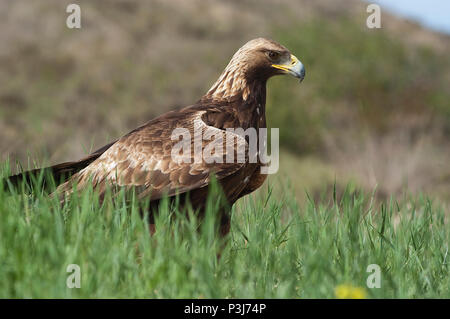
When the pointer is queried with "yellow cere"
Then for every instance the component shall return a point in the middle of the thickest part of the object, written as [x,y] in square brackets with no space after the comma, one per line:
[284,67]
[294,59]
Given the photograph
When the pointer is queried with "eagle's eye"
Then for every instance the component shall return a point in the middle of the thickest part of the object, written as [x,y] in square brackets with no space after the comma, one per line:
[273,55]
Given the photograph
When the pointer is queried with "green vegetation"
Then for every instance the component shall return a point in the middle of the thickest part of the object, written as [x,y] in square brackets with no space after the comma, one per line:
[275,249]
[357,78]
[373,111]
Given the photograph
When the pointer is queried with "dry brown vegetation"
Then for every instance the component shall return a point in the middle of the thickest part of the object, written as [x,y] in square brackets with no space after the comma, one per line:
[374,108]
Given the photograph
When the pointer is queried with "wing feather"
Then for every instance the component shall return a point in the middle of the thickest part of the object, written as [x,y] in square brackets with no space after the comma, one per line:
[143,159]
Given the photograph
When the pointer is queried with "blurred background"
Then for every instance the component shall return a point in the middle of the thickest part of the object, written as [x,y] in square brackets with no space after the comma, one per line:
[373,111]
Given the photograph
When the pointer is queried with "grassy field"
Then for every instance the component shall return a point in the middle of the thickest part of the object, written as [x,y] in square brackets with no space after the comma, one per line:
[373,111]
[275,249]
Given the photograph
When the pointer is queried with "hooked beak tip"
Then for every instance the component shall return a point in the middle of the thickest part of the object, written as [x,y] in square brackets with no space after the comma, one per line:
[302,74]
[294,68]
[297,69]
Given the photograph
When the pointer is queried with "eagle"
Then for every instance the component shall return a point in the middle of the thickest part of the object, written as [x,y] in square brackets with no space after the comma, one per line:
[143,159]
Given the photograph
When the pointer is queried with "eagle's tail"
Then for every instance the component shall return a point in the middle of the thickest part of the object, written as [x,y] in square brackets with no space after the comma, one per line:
[59,173]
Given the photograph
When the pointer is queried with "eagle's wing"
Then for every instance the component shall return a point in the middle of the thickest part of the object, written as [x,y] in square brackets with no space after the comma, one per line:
[143,158]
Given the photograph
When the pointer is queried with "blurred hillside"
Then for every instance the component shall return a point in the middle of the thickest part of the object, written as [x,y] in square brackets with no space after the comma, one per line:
[373,110]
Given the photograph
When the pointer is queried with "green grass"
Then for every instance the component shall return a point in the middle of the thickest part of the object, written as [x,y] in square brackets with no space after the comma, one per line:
[275,249]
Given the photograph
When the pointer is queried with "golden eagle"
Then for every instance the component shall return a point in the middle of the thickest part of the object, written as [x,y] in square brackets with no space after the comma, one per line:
[143,159]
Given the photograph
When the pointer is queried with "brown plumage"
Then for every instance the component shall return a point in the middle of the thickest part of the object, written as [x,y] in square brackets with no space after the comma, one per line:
[142,158]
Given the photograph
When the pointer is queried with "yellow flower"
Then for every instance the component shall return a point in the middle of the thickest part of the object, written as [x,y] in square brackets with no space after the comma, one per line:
[349,292]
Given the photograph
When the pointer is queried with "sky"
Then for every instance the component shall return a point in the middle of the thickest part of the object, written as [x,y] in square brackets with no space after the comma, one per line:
[433,14]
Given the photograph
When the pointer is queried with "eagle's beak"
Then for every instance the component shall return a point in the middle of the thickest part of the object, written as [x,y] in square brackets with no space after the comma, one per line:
[293,67]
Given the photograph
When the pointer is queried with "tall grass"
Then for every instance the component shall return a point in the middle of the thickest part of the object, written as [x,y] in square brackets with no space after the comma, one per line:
[275,249]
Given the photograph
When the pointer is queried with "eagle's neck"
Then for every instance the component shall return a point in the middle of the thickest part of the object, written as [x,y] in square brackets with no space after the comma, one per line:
[231,84]
[247,97]
[236,81]
[254,108]
[240,89]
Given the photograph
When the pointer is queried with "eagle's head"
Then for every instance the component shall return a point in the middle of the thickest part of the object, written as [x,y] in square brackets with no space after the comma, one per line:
[256,61]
